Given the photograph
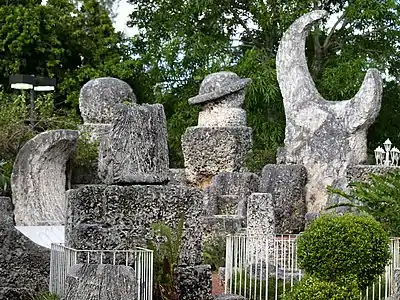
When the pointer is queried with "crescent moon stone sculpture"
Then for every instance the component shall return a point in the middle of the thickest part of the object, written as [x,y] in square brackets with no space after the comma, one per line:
[324,136]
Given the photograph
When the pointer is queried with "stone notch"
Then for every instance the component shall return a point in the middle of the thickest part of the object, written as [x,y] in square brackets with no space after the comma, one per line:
[286,185]
[101,282]
[324,136]
[136,149]
[38,180]
[24,265]
[98,96]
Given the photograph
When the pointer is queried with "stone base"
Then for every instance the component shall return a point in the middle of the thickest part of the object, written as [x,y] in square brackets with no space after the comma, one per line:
[361,173]
[221,225]
[120,217]
[194,283]
[210,150]
[24,265]
[286,184]
[101,282]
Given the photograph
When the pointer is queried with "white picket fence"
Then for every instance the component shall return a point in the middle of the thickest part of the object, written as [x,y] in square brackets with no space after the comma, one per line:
[265,268]
[63,258]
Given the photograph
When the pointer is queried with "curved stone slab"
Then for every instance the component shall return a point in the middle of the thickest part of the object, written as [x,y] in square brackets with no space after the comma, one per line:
[38,181]
[324,136]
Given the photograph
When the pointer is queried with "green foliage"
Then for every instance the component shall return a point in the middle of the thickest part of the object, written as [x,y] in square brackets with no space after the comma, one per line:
[317,289]
[166,256]
[179,42]
[334,248]
[86,153]
[243,283]
[214,252]
[47,296]
[379,197]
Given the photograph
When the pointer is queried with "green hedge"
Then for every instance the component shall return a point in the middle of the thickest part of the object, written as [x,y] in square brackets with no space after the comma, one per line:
[335,247]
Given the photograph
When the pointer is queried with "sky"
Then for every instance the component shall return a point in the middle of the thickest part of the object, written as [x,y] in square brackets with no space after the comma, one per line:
[122,17]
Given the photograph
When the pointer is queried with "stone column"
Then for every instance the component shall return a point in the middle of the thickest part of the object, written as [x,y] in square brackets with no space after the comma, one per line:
[221,140]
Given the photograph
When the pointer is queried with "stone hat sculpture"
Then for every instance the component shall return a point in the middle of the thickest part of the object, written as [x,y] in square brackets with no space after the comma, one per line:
[217,85]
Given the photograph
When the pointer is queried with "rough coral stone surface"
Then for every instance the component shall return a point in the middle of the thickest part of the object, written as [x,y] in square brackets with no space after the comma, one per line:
[228,297]
[120,217]
[194,282]
[208,151]
[361,173]
[98,96]
[221,225]
[95,131]
[324,136]
[24,265]
[228,192]
[39,180]
[177,177]
[286,183]
[395,293]
[101,282]
[136,148]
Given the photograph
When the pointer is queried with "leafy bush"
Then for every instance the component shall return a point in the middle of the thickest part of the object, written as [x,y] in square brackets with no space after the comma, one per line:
[242,282]
[317,289]
[338,247]
[379,197]
[214,252]
[86,153]
[166,256]
[47,296]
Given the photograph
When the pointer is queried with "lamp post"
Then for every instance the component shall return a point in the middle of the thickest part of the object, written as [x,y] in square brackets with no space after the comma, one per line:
[32,83]
[388,156]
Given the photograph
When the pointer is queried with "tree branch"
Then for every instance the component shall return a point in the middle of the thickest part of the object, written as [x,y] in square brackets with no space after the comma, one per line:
[330,34]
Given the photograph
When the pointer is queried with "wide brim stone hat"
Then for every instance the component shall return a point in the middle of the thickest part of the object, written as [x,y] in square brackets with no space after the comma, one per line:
[217,85]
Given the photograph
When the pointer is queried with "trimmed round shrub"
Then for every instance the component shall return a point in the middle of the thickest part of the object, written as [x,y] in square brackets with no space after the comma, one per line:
[316,289]
[335,247]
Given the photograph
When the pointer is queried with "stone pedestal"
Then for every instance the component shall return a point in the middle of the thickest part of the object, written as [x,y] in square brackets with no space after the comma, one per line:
[120,217]
[194,282]
[136,148]
[286,184]
[210,150]
[101,282]
[260,226]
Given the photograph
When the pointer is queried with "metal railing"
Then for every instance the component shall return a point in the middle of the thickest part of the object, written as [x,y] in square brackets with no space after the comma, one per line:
[265,268]
[63,258]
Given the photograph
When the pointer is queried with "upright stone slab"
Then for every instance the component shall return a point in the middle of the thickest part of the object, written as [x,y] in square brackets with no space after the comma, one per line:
[101,282]
[120,217]
[395,292]
[24,265]
[362,173]
[221,140]
[260,226]
[38,180]
[286,184]
[136,149]
[324,136]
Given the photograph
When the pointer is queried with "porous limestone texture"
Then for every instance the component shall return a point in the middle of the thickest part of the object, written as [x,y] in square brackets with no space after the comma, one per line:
[286,184]
[98,96]
[218,226]
[228,192]
[194,282]
[101,282]
[24,265]
[38,180]
[208,151]
[94,132]
[120,217]
[260,225]
[136,148]
[395,292]
[361,173]
[324,136]
[177,177]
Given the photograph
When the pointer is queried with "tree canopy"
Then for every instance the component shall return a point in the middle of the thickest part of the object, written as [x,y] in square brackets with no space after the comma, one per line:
[181,41]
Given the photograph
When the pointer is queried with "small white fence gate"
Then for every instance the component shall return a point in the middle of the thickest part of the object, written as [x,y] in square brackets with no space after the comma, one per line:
[265,268]
[63,258]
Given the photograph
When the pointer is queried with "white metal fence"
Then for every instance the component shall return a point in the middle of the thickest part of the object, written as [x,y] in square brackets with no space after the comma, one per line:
[140,259]
[265,268]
